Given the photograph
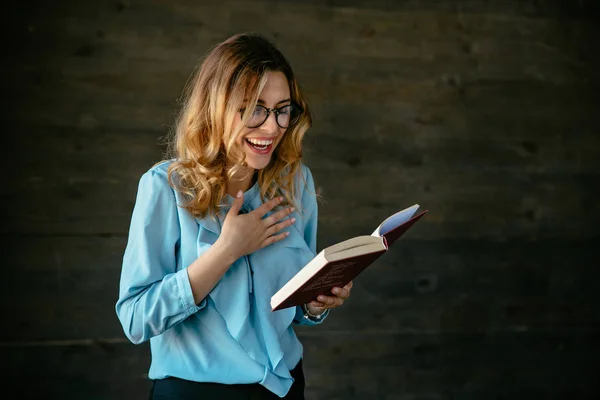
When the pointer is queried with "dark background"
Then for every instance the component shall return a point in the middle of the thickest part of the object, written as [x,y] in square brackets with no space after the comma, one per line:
[483,112]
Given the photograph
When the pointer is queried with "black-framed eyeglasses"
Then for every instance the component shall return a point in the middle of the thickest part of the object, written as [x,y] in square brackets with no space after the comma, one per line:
[285,116]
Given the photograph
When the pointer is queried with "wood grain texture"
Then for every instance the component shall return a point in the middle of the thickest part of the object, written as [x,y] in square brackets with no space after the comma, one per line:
[418,286]
[66,190]
[341,366]
[483,112]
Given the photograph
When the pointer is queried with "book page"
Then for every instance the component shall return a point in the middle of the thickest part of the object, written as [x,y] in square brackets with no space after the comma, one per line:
[395,220]
[348,244]
[373,247]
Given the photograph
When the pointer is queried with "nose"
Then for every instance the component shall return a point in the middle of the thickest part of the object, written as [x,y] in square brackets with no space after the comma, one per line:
[270,125]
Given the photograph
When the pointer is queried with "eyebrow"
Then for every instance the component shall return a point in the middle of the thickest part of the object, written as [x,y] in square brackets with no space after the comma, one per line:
[279,102]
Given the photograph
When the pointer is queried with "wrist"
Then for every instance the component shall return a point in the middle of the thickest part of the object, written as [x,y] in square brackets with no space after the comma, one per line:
[224,252]
[311,313]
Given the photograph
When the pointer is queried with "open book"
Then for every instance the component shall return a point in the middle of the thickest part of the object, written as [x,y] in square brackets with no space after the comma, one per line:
[339,264]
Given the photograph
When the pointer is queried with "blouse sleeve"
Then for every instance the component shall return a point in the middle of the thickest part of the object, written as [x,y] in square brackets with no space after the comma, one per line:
[310,211]
[153,295]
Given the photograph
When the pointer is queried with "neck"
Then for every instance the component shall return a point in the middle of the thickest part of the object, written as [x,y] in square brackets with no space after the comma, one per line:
[243,180]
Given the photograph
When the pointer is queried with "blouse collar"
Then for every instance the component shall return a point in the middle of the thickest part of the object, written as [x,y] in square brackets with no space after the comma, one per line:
[249,196]
[251,202]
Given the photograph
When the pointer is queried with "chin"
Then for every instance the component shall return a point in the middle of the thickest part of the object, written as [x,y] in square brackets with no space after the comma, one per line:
[257,164]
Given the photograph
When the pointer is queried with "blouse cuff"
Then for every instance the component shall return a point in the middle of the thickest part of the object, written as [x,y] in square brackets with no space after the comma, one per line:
[186,297]
[302,319]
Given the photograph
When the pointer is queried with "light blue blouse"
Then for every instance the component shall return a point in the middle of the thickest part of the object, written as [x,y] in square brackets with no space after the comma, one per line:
[232,336]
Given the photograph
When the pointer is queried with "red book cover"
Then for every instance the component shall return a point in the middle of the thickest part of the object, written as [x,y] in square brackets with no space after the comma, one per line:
[337,273]
[394,234]
[337,265]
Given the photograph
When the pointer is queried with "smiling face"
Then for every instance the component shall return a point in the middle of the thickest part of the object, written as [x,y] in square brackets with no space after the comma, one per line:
[259,143]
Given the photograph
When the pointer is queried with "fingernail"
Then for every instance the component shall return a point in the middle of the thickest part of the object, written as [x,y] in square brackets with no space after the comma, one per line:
[239,194]
[291,209]
[336,290]
[293,220]
[287,234]
[321,298]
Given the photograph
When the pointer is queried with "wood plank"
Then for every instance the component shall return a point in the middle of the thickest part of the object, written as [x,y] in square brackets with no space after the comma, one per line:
[451,366]
[480,285]
[66,194]
[467,203]
[411,117]
[509,52]
[146,20]
[530,9]
[360,81]
[94,370]
[524,141]
[533,208]
[71,286]
[116,152]
[383,366]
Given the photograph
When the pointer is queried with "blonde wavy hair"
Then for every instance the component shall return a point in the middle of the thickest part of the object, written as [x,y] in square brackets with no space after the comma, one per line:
[204,143]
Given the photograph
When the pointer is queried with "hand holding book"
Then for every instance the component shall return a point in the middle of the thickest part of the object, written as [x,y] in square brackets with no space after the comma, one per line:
[323,301]
[337,265]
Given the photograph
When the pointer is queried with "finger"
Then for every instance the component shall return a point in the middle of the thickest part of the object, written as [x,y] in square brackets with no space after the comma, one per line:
[277,227]
[271,219]
[342,293]
[348,286]
[275,238]
[318,304]
[330,301]
[237,204]
[268,206]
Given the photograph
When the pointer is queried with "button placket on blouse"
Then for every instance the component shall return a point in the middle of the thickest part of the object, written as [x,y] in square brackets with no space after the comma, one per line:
[245,210]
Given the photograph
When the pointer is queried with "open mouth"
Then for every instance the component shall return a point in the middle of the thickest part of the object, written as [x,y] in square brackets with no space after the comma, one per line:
[260,146]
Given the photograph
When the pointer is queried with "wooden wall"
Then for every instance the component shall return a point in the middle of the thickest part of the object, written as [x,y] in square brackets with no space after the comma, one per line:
[485,113]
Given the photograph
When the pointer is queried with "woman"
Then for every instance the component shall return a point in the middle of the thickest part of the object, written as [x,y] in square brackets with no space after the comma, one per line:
[218,228]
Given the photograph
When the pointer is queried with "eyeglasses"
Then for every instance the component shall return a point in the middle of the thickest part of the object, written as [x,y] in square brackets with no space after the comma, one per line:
[285,116]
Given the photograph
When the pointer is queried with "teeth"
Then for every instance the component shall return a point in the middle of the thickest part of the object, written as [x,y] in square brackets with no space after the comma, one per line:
[260,142]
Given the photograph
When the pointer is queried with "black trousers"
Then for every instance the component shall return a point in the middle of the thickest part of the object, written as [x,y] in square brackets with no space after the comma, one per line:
[180,389]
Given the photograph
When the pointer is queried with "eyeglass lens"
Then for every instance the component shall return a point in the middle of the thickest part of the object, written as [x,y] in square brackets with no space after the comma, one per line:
[260,114]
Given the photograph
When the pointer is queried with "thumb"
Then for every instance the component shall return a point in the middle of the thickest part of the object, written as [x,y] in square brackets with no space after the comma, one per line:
[237,204]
